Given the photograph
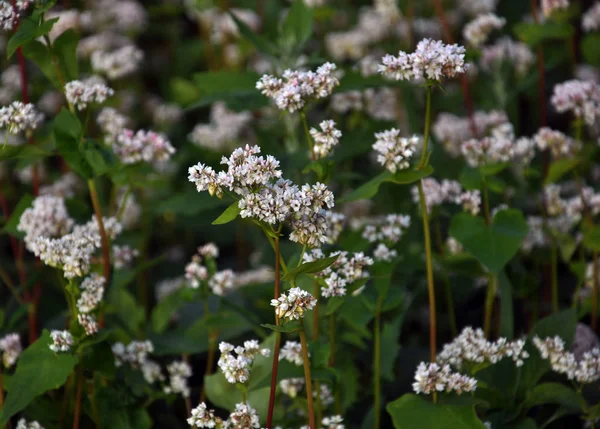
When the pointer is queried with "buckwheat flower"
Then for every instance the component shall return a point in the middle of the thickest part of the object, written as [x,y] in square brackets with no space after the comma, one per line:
[550,6]
[179,372]
[142,145]
[65,187]
[112,123]
[225,130]
[506,51]
[478,30]
[67,19]
[123,256]
[585,370]
[61,341]
[292,386]
[335,225]
[8,16]
[453,246]
[10,346]
[88,323]
[389,229]
[393,151]
[431,378]
[119,63]
[202,417]
[581,98]
[23,424]
[92,289]
[347,101]
[309,230]
[471,201]
[18,117]
[431,60]
[559,144]
[590,21]
[333,422]
[523,150]
[383,253]
[335,285]
[47,217]
[236,368]
[81,93]
[292,352]
[326,139]
[152,372]
[209,250]
[222,282]
[243,417]
[135,353]
[294,305]
[195,272]
[490,150]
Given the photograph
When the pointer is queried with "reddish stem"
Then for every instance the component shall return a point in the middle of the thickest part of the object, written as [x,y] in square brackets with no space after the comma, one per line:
[78,398]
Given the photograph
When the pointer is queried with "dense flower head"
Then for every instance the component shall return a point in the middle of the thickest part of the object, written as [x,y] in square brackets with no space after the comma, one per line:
[179,373]
[225,130]
[507,51]
[112,123]
[92,292]
[431,378]
[446,191]
[292,386]
[24,424]
[10,346]
[88,323]
[61,341]
[236,368]
[48,217]
[202,417]
[478,30]
[431,60]
[583,371]
[550,6]
[389,229]
[471,346]
[496,148]
[195,272]
[292,352]
[119,63]
[81,93]
[148,146]
[559,144]
[18,117]
[590,21]
[243,417]
[8,16]
[335,225]
[294,304]
[222,282]
[393,151]
[581,98]
[326,139]
[135,353]
[298,87]
[123,256]
[333,422]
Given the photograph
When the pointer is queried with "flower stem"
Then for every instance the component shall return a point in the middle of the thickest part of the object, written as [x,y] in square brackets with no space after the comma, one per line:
[595,293]
[489,305]
[308,137]
[377,366]
[429,264]
[486,202]
[121,210]
[450,305]
[331,340]
[424,155]
[316,291]
[307,379]
[275,366]
[78,397]
[554,262]
[103,236]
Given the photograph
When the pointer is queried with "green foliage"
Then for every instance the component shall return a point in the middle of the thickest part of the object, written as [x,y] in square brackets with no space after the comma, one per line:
[230,214]
[29,29]
[310,268]
[67,132]
[559,168]
[297,27]
[10,227]
[536,34]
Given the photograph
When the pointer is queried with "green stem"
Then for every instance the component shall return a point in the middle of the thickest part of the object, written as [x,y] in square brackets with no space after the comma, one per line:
[486,201]
[595,292]
[103,236]
[78,397]
[121,210]
[450,305]
[554,262]
[332,340]
[307,379]
[275,366]
[424,157]
[489,305]
[308,137]
[377,365]
[316,294]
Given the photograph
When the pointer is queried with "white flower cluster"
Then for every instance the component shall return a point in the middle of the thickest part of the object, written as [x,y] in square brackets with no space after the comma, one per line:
[583,371]
[432,60]
[507,51]
[65,187]
[389,229]
[559,144]
[11,82]
[377,103]
[326,139]
[225,130]
[126,16]
[258,275]
[348,268]
[18,117]
[81,93]
[335,225]
[8,16]
[393,151]
[195,272]
[222,282]
[236,369]
[92,292]
[10,346]
[550,6]
[148,146]
[478,30]
[73,252]
[590,21]
[333,422]
[251,176]
[292,386]
[243,417]
[123,256]
[209,250]
[47,217]
[431,378]
[581,98]
[61,341]
[496,148]
[119,63]
[202,417]
[112,123]
[298,87]
[294,304]
[472,346]
[452,130]
[292,352]
[448,191]
[23,424]
[453,246]
[135,353]
[179,372]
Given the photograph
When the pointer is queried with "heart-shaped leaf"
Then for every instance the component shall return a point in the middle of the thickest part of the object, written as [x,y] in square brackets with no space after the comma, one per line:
[493,245]
[228,215]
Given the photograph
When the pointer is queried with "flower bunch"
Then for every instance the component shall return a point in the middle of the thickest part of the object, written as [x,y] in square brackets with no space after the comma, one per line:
[478,30]
[10,346]
[237,368]
[61,341]
[142,145]
[294,304]
[581,98]
[81,93]
[393,151]
[583,371]
[19,117]
[431,378]
[326,139]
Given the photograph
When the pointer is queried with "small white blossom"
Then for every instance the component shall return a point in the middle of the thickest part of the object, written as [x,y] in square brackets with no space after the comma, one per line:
[507,51]
[292,352]
[88,323]
[292,386]
[590,21]
[326,139]
[151,371]
[236,369]
[135,353]
[179,373]
[142,145]
[383,253]
[18,117]
[583,371]
[81,93]
[243,417]
[393,151]
[8,16]
[23,424]
[123,256]
[222,282]
[61,341]
[559,144]
[431,378]
[294,305]
[202,417]
[550,6]
[478,30]
[10,346]
[47,217]
[119,63]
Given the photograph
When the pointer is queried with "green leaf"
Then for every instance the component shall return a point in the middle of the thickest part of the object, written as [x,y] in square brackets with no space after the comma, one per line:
[26,152]
[506,306]
[100,159]
[228,215]
[559,168]
[591,237]
[389,336]
[310,268]
[493,245]
[333,304]
[404,177]
[533,34]
[38,53]
[234,87]
[165,309]
[39,369]
[65,49]
[67,134]
[590,48]
[415,412]
[286,327]
[127,310]
[297,27]
[491,169]
[11,226]
[554,393]
[29,29]
[259,42]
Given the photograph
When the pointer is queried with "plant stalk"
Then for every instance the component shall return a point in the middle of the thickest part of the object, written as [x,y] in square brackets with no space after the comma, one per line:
[429,267]
[307,379]
[275,366]
[554,262]
[103,236]
[78,397]
[311,145]
[377,366]
[489,305]
[595,293]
